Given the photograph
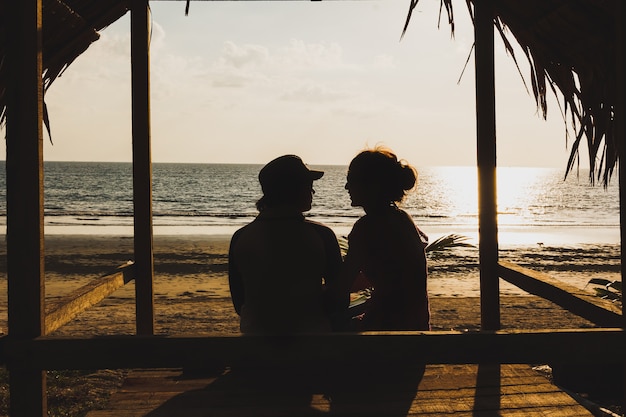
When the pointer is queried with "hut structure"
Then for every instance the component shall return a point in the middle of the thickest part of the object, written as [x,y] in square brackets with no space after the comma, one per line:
[575,48]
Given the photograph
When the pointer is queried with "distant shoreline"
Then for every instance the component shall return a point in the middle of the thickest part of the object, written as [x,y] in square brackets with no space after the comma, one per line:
[508,236]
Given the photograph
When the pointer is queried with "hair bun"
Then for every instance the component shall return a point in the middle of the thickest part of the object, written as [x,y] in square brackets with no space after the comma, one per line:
[407,177]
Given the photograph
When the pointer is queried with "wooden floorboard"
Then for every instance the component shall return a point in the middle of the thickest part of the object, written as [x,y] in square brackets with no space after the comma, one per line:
[436,390]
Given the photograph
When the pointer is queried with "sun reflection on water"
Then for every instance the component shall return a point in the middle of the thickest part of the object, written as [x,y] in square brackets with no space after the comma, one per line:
[527,199]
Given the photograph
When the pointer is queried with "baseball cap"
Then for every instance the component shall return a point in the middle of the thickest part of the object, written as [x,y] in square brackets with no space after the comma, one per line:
[284,172]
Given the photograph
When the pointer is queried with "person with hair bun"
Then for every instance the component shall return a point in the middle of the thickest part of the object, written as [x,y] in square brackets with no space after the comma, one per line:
[385,247]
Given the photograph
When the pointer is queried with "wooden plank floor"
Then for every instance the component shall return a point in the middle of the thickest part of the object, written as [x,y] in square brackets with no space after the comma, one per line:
[437,390]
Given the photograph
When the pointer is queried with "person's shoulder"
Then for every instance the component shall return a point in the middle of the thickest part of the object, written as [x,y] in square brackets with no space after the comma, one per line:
[360,229]
[361,221]
[322,230]
[318,226]
[403,215]
[240,232]
[411,227]
[402,221]
[235,237]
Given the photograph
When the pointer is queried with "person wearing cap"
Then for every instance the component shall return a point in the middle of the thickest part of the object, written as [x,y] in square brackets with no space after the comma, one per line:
[284,269]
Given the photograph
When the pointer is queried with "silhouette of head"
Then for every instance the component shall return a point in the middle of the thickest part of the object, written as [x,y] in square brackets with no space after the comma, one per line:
[376,176]
[284,181]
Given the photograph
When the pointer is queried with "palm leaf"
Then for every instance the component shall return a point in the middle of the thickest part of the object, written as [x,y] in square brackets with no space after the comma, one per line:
[343,245]
[448,241]
[442,243]
[581,71]
[610,290]
[608,295]
[599,281]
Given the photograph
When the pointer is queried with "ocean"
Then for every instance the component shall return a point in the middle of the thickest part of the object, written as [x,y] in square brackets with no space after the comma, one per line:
[535,205]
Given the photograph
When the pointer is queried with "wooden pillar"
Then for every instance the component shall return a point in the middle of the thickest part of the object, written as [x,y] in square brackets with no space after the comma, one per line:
[620,135]
[486,152]
[620,129]
[24,165]
[142,166]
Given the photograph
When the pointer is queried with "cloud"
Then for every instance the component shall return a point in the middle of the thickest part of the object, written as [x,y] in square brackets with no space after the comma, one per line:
[106,59]
[314,93]
[238,66]
[242,65]
[367,107]
[384,61]
[242,56]
[299,55]
[157,37]
[114,44]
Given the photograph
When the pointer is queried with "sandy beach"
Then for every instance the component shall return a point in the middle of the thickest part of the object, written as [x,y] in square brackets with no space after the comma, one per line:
[192,296]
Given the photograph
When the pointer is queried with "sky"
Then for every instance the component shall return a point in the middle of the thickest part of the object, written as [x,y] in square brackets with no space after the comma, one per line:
[246,81]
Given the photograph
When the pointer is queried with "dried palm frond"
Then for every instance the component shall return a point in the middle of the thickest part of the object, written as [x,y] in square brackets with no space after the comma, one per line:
[570,48]
[69,28]
[609,290]
[448,241]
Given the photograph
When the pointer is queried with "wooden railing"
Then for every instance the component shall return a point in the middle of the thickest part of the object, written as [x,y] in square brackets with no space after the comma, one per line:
[65,309]
[602,312]
[542,346]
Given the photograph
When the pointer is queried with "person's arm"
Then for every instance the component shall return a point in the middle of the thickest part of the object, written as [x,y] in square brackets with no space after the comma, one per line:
[414,277]
[333,258]
[351,271]
[235,280]
[335,300]
[332,271]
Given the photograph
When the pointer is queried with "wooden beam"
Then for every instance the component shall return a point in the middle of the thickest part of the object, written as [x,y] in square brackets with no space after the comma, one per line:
[142,166]
[620,127]
[600,346]
[65,309]
[24,165]
[620,135]
[486,152]
[601,312]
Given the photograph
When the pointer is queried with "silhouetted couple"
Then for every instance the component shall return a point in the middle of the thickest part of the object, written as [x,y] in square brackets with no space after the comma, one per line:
[286,272]
[287,276]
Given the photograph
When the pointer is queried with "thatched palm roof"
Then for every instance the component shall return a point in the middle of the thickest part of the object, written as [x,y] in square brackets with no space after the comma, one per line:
[69,27]
[570,45]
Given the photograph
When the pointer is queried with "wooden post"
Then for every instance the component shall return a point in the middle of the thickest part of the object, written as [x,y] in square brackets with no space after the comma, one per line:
[142,166]
[24,166]
[620,135]
[486,151]
[620,128]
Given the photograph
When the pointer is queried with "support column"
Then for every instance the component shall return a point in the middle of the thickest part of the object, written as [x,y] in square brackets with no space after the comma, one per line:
[620,129]
[142,166]
[620,135]
[25,230]
[486,152]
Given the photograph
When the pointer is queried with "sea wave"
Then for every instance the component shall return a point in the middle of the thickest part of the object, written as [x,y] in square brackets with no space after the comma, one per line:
[196,217]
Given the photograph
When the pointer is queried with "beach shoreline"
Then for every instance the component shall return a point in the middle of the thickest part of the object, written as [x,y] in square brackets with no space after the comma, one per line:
[192,296]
